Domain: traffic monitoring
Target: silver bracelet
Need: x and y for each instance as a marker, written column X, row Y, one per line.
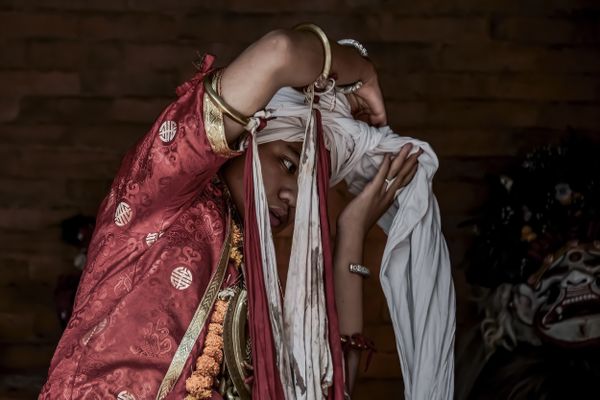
column 359, row 270
column 356, row 44
column 353, row 88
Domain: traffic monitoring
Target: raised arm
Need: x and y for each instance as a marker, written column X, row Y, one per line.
column 353, row 224
column 293, row 58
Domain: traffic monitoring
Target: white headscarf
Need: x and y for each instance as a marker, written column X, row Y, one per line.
column 415, row 271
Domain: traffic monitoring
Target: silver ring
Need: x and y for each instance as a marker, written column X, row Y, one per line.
column 388, row 183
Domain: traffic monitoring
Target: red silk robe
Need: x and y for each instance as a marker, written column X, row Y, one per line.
column 158, row 239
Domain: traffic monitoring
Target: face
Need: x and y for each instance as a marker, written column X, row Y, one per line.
column 280, row 162
column 563, row 305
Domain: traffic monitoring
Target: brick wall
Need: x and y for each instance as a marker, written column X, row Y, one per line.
column 481, row 80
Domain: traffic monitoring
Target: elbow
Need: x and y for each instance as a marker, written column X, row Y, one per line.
column 278, row 47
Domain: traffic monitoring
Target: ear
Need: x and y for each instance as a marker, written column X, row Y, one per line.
column 522, row 301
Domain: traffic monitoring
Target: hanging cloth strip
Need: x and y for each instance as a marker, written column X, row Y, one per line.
column 306, row 322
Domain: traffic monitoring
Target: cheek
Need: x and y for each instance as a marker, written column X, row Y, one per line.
column 271, row 174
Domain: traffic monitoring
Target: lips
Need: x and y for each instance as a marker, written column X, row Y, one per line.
column 277, row 216
column 573, row 307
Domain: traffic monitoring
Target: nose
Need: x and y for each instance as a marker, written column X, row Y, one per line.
column 288, row 192
column 576, row 278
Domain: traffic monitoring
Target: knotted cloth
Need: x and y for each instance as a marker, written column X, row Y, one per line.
column 415, row 271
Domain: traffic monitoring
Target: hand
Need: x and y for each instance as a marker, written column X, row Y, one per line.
column 367, row 103
column 377, row 196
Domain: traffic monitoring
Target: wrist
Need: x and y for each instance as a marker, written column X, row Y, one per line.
column 352, row 234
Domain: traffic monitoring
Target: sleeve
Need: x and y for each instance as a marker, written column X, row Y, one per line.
column 159, row 178
column 164, row 172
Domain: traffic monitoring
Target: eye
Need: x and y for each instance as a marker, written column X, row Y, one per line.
column 553, row 292
column 289, row 166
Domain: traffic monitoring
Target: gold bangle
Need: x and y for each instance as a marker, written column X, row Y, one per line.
column 226, row 108
column 326, row 47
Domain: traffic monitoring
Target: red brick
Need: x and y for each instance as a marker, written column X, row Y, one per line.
column 391, row 28
column 129, row 26
column 39, row 83
column 65, row 110
column 102, row 136
column 45, row 268
column 484, row 142
column 470, row 7
column 458, row 196
column 399, row 58
column 142, row 82
column 506, row 86
column 573, row 115
column 160, row 57
column 50, row 162
column 31, row 218
column 87, row 193
column 46, row 326
column 246, row 28
column 69, row 5
column 501, row 57
column 25, row 357
column 21, row 386
column 13, row 301
column 15, row 327
column 471, row 169
column 280, row 7
column 13, row 54
column 138, row 110
column 23, row 245
column 469, row 114
column 180, row 6
column 577, row 59
column 107, row 54
column 31, row 192
column 37, row 133
column 403, row 114
column 56, row 54
column 548, row 30
column 9, row 108
column 39, row 25
column 13, row 271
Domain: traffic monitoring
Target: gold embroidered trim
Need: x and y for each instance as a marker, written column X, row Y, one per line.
column 213, row 121
column 195, row 327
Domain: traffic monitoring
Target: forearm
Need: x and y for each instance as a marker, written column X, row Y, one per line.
column 279, row 59
column 348, row 292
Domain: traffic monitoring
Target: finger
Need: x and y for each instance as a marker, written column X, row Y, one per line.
column 410, row 176
column 400, row 183
column 378, row 114
column 399, row 160
column 384, row 168
column 371, row 93
column 410, row 162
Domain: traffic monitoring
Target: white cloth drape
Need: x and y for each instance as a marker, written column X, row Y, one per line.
column 415, row 271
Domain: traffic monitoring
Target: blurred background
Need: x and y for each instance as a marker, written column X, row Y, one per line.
column 482, row 80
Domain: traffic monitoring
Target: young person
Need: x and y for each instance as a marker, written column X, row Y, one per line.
column 160, row 311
